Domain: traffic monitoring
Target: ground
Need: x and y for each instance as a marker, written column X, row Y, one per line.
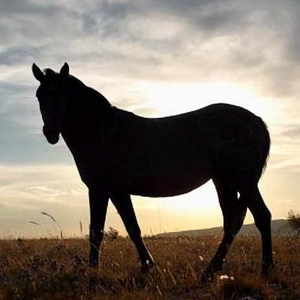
column 57, row 269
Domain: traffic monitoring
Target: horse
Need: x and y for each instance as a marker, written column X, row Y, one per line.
column 119, row 154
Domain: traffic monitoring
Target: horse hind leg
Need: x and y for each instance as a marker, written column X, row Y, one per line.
column 262, row 219
column 234, row 212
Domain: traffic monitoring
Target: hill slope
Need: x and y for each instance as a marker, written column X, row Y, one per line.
column 279, row 227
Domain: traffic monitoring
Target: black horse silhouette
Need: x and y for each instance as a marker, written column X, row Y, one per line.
column 119, row 154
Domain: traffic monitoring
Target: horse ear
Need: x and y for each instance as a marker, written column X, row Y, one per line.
column 37, row 73
column 64, row 71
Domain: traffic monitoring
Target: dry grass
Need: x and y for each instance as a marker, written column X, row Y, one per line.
column 57, row 269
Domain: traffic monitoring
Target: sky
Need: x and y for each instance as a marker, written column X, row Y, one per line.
column 154, row 58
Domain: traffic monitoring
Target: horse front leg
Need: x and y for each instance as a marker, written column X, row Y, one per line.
column 124, row 206
column 98, row 208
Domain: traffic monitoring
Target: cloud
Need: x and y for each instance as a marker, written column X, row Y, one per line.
column 117, row 45
column 123, row 49
column 237, row 40
column 19, row 54
column 26, row 190
column 32, row 186
column 293, row 132
column 19, row 145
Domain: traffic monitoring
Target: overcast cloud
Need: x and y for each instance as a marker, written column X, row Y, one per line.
column 120, row 47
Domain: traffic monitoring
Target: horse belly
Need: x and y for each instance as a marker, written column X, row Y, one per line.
column 167, row 187
column 167, row 183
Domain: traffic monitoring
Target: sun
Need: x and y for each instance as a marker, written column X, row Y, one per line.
column 174, row 98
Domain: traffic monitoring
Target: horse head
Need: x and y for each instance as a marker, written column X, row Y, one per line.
column 52, row 96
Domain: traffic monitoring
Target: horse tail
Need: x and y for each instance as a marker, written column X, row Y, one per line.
column 266, row 147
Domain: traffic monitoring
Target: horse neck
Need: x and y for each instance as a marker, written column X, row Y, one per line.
column 85, row 101
column 87, row 111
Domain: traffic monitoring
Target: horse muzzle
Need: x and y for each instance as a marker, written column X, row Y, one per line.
column 51, row 134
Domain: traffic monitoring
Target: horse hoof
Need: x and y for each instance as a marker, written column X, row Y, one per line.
column 94, row 264
column 147, row 267
column 207, row 275
column 266, row 270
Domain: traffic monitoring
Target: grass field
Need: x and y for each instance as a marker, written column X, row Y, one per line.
column 57, row 269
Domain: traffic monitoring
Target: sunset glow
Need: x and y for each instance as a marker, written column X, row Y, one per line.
column 174, row 98
column 155, row 59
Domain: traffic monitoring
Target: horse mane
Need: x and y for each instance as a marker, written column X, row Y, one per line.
column 98, row 100
column 49, row 73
